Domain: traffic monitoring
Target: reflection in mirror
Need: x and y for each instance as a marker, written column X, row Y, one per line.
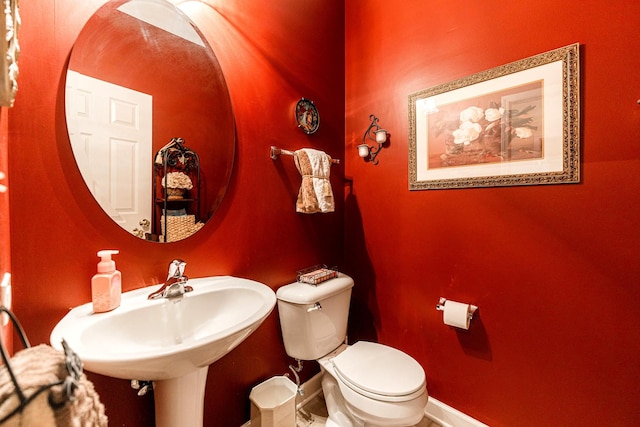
column 140, row 78
column 177, row 169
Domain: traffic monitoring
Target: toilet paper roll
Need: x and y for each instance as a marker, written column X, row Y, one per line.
column 456, row 314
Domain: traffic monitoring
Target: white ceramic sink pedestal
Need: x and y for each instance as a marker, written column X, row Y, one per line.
column 169, row 342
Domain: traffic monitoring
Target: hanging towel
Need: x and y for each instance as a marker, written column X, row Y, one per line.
column 315, row 193
column 38, row 366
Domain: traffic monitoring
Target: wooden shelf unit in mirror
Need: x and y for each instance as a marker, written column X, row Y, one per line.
column 176, row 187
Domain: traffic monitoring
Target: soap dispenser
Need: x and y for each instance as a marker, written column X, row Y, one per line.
column 106, row 285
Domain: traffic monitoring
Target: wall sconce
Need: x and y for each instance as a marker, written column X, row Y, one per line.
column 375, row 133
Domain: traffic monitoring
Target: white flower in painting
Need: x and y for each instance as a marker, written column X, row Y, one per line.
column 466, row 133
column 493, row 114
column 523, row 132
column 472, row 114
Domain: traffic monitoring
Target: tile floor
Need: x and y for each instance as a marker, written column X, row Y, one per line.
column 314, row 414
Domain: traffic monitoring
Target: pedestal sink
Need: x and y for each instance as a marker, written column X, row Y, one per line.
column 169, row 342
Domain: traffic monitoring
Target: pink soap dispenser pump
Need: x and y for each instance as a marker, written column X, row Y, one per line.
column 106, row 285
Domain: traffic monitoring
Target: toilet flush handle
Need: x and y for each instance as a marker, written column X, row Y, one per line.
column 315, row 307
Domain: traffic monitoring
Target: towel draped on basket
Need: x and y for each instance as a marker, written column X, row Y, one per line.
column 315, row 193
column 38, row 366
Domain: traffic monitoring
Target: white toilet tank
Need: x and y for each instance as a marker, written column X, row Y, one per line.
column 314, row 318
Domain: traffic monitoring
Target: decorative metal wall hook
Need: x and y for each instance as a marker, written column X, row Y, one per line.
column 375, row 133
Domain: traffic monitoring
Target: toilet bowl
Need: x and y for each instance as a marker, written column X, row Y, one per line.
column 365, row 384
column 378, row 385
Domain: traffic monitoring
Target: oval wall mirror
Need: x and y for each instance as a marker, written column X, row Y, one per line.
column 147, row 110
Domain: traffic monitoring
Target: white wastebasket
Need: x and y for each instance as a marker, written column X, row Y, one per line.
column 273, row 403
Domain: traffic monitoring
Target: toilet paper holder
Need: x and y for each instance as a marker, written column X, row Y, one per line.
column 472, row 308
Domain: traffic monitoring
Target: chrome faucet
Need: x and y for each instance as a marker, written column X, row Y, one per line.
column 176, row 284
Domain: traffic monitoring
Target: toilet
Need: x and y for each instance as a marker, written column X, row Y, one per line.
column 365, row 384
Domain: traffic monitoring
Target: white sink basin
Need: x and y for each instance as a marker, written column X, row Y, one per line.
column 161, row 339
column 166, row 339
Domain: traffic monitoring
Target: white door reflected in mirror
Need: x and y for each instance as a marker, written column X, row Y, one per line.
column 110, row 129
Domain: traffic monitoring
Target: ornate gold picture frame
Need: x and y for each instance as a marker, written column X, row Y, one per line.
column 517, row 124
column 10, row 50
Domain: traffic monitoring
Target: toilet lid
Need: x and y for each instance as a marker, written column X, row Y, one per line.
column 379, row 369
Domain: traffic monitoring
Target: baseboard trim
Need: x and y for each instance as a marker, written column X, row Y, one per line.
column 437, row 411
column 447, row 416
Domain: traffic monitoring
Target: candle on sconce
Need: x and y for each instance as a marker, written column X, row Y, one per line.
column 363, row 150
column 381, row 136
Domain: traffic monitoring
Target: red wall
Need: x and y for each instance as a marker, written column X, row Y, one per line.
column 554, row 269
column 272, row 56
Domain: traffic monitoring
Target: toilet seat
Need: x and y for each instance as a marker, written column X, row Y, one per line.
column 380, row 372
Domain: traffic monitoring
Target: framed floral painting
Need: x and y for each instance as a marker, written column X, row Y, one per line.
column 10, row 50
column 517, row 124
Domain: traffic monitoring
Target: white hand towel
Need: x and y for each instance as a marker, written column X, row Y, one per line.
column 315, row 193
column 39, row 366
